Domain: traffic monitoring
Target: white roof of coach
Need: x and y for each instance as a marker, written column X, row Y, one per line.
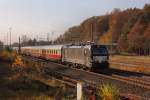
column 52, row 47
column 44, row 47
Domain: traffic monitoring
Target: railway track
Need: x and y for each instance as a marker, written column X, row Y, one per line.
column 132, row 77
column 118, row 76
column 119, row 81
column 133, row 81
column 126, row 85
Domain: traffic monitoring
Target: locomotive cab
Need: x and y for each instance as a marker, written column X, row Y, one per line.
column 99, row 56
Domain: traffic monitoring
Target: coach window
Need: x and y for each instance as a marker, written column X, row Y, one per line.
column 56, row 51
column 59, row 51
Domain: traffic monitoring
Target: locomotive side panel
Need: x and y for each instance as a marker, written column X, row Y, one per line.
column 73, row 55
column 78, row 55
column 87, row 57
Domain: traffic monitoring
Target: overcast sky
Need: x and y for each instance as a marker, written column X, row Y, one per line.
column 38, row 17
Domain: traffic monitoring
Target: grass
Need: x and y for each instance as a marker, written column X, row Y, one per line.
column 14, row 85
column 22, row 87
column 108, row 92
column 8, row 54
column 141, row 63
column 131, row 59
column 19, row 87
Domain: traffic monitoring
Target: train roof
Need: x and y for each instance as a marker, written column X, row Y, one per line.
column 83, row 46
column 78, row 46
column 52, row 47
column 44, row 47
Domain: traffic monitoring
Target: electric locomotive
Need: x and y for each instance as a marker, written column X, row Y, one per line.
column 87, row 57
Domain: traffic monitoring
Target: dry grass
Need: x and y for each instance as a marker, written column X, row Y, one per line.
column 14, row 86
column 140, row 69
column 18, row 61
column 132, row 63
column 108, row 92
column 42, row 97
column 131, row 59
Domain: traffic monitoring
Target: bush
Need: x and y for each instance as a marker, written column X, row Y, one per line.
column 8, row 49
column 8, row 54
column 108, row 92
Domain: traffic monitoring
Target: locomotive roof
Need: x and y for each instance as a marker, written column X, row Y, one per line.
column 79, row 46
column 83, row 46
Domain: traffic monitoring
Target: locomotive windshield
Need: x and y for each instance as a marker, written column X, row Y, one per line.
column 100, row 51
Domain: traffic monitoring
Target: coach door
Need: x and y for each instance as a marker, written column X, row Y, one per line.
column 43, row 53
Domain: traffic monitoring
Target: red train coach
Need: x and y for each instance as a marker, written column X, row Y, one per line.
column 50, row 52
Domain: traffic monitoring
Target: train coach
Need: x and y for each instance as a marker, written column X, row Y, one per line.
column 51, row 52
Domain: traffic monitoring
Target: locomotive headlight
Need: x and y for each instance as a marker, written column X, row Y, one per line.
column 100, row 59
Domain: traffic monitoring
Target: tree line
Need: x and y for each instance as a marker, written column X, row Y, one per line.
column 129, row 28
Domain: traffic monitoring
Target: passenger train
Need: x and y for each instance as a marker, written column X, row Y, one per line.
column 87, row 57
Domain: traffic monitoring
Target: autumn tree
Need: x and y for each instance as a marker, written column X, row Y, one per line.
column 136, row 37
column 122, row 43
column 147, row 39
column 146, row 11
column 129, row 28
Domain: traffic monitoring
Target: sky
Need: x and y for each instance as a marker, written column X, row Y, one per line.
column 36, row 18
